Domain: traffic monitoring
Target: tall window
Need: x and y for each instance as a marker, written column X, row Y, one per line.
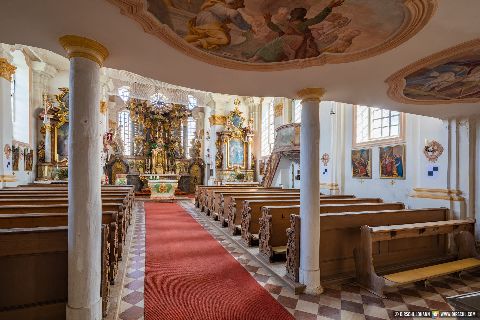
column 192, row 102
column 375, row 125
column 20, row 98
column 268, row 129
column 125, row 124
column 297, row 111
column 191, row 130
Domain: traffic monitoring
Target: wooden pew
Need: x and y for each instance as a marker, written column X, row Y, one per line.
column 209, row 201
column 34, row 273
column 12, row 195
column 466, row 256
column 228, row 201
column 63, row 208
column 203, row 193
column 34, row 220
column 218, row 196
column 201, row 189
column 275, row 221
column 340, row 234
column 252, row 212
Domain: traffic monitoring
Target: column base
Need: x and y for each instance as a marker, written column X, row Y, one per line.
column 311, row 280
column 93, row 312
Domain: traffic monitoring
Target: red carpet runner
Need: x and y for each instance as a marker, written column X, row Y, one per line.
column 189, row 275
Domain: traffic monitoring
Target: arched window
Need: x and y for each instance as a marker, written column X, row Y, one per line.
column 125, row 126
column 268, row 129
column 20, row 97
column 377, row 126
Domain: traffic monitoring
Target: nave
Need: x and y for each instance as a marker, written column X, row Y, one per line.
column 339, row 301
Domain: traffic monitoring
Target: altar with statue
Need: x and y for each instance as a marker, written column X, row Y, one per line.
column 234, row 160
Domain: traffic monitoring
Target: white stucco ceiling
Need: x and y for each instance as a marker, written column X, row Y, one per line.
column 41, row 23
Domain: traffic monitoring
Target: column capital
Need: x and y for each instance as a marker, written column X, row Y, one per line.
column 77, row 46
column 313, row 94
column 6, row 69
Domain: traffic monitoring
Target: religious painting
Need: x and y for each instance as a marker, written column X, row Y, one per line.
column 62, row 142
column 236, row 153
column 15, row 157
column 28, row 157
column 362, row 163
column 274, row 32
column 449, row 76
column 392, row 162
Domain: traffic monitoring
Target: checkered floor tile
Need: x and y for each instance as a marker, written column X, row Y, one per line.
column 342, row 301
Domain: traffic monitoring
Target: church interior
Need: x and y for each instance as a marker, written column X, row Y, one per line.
column 239, row 159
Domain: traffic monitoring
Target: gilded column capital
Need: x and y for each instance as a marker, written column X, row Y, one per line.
column 77, row 46
column 311, row 94
column 217, row 120
column 6, row 69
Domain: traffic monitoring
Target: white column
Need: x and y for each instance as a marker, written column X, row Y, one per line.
column 48, row 139
column 249, row 152
column 6, row 125
column 310, row 190
column 84, row 191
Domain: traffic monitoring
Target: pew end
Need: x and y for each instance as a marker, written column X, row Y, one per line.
column 466, row 257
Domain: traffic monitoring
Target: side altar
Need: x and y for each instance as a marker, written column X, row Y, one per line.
column 233, row 160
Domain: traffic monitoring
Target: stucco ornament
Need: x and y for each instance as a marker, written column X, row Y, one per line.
column 325, row 159
column 433, row 150
column 7, row 150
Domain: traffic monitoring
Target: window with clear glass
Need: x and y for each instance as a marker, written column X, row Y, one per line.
column 20, row 98
column 377, row 125
column 191, row 133
column 268, row 130
column 297, row 111
column 125, row 126
column 192, row 102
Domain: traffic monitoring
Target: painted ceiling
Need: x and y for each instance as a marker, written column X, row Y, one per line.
column 449, row 76
column 279, row 34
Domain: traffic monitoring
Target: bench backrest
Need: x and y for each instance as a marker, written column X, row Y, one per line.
column 255, row 205
column 53, row 208
column 281, row 215
column 346, row 229
column 35, row 220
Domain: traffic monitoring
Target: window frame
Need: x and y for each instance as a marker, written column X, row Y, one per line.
column 121, row 121
column 378, row 141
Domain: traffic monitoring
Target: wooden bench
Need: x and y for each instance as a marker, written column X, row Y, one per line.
column 275, row 221
column 219, row 197
column 215, row 198
column 227, row 201
column 200, row 191
column 34, row 273
column 205, row 196
column 466, row 257
column 34, row 220
column 340, row 235
column 252, row 212
column 63, row 208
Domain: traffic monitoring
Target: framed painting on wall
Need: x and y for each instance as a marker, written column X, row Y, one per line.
column 392, row 162
column 362, row 163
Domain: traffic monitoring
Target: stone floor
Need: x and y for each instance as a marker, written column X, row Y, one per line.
column 346, row 301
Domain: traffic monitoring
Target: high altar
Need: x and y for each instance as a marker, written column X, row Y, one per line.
column 234, row 149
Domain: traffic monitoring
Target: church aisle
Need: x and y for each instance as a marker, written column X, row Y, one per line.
column 189, row 275
column 337, row 302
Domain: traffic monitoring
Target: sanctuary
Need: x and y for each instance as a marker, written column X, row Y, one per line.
column 238, row 159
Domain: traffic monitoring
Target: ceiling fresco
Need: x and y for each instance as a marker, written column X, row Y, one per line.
column 450, row 76
column 279, row 34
